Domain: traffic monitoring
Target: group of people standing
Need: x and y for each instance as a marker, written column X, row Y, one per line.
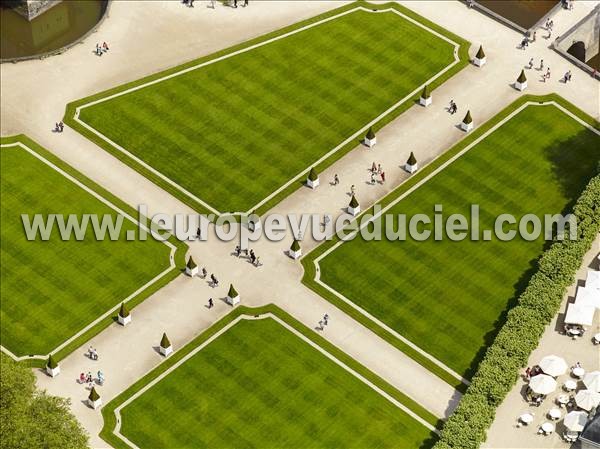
column 101, row 49
column 377, row 170
column 254, row 259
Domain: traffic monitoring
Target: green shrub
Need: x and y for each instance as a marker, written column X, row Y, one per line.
column 312, row 175
column 232, row 292
column 123, row 311
column 370, row 134
column 525, row 323
column 353, row 202
column 51, row 362
column 164, row 341
column 295, row 246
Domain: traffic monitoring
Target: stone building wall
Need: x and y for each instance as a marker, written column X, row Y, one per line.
column 30, row 9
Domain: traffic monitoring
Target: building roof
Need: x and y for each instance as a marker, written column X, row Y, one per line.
column 591, row 433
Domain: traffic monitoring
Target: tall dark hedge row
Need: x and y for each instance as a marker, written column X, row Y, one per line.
column 524, row 326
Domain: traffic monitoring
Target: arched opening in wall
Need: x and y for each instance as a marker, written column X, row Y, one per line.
column 577, row 50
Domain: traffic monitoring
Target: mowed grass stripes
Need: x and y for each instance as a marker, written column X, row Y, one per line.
column 449, row 297
column 234, row 131
column 52, row 289
column 260, row 386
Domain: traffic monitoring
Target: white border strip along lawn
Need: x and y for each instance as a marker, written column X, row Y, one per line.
column 317, row 277
column 120, row 212
column 243, row 50
column 117, row 411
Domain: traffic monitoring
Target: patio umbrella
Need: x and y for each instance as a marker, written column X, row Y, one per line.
column 542, row 384
column 553, row 365
column 587, row 399
column 592, row 381
column 575, row 421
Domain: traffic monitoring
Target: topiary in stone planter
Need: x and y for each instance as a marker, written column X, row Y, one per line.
column 312, row 180
column 370, row 139
column 233, row 297
column 191, row 269
column 353, row 208
column 124, row 317
column 166, row 347
column 52, row 368
column 480, row 58
column 295, row 251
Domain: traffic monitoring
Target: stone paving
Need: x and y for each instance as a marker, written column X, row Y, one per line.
column 178, row 309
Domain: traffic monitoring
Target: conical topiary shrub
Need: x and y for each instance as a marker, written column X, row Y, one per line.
column 312, row 179
column 480, row 58
column 94, row 400
column 191, row 268
column 123, row 311
column 52, row 368
column 94, row 396
column 425, row 99
column 124, row 317
column 480, row 53
column 521, row 83
column 51, row 362
column 165, row 345
column 164, row 341
column 370, row 138
column 411, row 164
column 233, row 297
column 295, row 251
column 353, row 207
column 295, row 245
column 467, row 123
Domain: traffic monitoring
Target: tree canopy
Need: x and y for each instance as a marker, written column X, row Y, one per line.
column 32, row 418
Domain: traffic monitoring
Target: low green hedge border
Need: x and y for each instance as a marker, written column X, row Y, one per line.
column 463, row 55
column 101, row 325
column 108, row 411
column 524, row 326
column 308, row 261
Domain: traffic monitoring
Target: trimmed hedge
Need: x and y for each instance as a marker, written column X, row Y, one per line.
column 524, row 326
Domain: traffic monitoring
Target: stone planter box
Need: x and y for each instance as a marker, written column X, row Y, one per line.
column 295, row 254
column 124, row 320
column 233, row 301
column 166, row 351
column 425, row 101
column 370, row 142
column 95, row 404
column 521, row 86
column 354, row 211
column 53, row 372
column 312, row 184
column 466, row 126
column 192, row 271
column 480, row 62
column 411, row 168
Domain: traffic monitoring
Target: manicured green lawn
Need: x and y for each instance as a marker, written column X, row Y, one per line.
column 259, row 385
column 234, row 131
column 52, row 289
column 449, row 297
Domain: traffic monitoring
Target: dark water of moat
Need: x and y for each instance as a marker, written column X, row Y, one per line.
column 525, row 13
column 61, row 25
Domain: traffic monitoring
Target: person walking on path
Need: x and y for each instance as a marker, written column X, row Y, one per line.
column 531, row 63
column 373, row 167
column 352, row 190
column 245, row 3
column 204, row 272
column 541, row 64
column 336, row 179
column 373, row 178
column 382, row 177
column 238, row 250
column 210, row 303
column 325, row 319
column 257, row 261
column 235, row 3
column 379, row 170
column 548, row 73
